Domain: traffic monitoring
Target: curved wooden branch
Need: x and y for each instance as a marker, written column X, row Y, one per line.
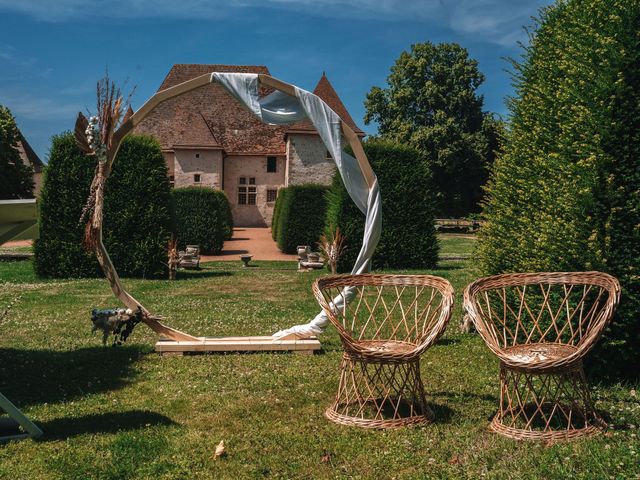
column 104, row 169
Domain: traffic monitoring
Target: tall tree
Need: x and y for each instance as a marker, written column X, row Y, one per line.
column 431, row 103
column 16, row 178
column 564, row 194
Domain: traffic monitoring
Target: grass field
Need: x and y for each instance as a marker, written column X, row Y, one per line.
column 125, row 412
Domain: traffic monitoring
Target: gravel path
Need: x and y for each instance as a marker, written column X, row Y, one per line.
column 251, row 241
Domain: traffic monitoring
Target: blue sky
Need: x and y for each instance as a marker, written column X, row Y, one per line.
column 52, row 52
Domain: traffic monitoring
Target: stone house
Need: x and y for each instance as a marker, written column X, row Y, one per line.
column 209, row 139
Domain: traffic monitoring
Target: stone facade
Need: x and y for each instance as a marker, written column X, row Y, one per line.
column 208, row 139
column 308, row 160
column 197, row 167
column 252, row 167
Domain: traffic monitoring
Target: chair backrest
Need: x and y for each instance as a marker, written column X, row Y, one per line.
column 193, row 250
column 568, row 308
column 408, row 308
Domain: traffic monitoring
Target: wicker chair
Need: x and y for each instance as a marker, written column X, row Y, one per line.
column 541, row 325
column 385, row 322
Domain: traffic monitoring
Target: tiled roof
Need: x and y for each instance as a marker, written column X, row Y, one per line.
column 326, row 92
column 28, row 155
column 210, row 117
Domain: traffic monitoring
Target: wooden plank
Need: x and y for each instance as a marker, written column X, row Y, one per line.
column 238, row 344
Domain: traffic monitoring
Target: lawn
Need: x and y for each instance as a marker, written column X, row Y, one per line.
column 125, row 412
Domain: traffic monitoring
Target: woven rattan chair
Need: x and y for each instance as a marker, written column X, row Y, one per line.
column 385, row 323
column 541, row 325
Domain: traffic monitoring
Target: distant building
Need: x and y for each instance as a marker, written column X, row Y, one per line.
column 31, row 159
column 209, row 139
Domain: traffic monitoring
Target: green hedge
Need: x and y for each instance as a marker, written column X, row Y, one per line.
column 565, row 194
column 408, row 237
column 137, row 217
column 280, row 200
column 299, row 215
column 59, row 252
column 137, row 213
column 201, row 218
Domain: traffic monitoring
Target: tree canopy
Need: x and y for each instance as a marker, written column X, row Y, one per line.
column 431, row 104
column 16, row 180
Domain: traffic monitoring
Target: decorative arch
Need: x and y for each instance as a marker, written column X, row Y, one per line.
column 286, row 104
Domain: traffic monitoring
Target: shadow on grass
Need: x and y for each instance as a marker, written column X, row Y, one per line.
column 31, row 377
column 113, row 422
column 441, row 413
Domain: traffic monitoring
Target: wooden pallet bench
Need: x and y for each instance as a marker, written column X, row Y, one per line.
column 304, row 346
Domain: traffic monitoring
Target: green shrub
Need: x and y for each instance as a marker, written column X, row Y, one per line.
column 301, row 213
column 201, row 218
column 137, row 216
column 565, row 194
column 408, row 237
column 59, row 252
column 137, row 213
column 280, row 199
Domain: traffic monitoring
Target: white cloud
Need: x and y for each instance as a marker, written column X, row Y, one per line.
column 497, row 21
column 33, row 107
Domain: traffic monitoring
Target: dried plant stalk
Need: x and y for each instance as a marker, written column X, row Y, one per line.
column 332, row 247
column 172, row 253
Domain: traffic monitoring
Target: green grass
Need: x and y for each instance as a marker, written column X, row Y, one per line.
column 118, row 413
column 456, row 243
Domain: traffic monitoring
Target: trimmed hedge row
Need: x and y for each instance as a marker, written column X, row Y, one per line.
column 201, row 217
column 565, row 195
column 59, row 253
column 299, row 216
column 137, row 212
column 408, row 237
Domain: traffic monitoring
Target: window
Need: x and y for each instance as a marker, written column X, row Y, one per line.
column 196, row 178
column 272, row 194
column 172, row 180
column 272, row 164
column 197, row 155
column 329, row 155
column 247, row 194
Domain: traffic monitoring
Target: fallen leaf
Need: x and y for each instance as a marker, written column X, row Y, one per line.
column 326, row 457
column 220, row 450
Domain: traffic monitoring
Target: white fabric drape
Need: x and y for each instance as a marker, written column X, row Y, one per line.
column 279, row 108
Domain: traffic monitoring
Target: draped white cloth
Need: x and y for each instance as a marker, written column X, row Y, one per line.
column 279, row 108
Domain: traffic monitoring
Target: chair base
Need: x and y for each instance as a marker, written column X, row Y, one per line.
column 379, row 395
column 550, row 406
column 331, row 414
column 548, row 436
